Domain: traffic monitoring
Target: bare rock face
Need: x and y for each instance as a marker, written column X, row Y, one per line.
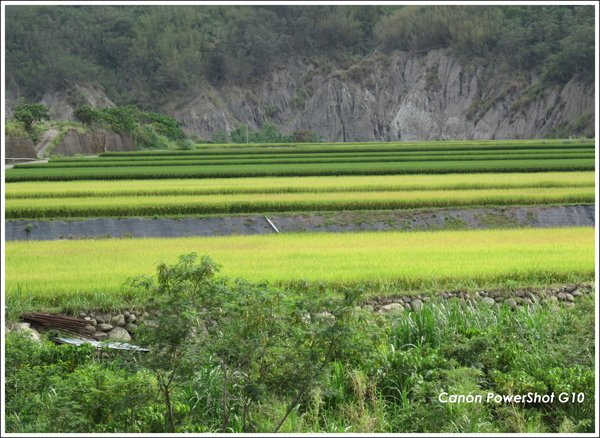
column 395, row 96
column 62, row 103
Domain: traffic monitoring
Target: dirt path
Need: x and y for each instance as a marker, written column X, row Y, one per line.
column 10, row 166
column 47, row 138
column 388, row 220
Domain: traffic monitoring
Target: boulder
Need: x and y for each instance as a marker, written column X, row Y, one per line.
column 89, row 329
column 416, row 305
column 512, row 303
column 488, row 301
column 104, row 327
column 26, row 329
column 119, row 334
column 100, row 336
column 118, row 320
column 391, row 309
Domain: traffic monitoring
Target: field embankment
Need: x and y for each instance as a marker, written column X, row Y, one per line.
column 334, row 221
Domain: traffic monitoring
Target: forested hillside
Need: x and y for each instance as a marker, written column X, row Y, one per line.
column 161, row 58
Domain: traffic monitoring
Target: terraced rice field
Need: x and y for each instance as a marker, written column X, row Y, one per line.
column 324, row 184
column 403, row 261
column 223, row 180
column 315, row 160
column 299, row 202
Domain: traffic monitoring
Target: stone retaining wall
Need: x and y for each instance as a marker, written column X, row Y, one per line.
column 93, row 143
column 120, row 326
column 18, row 147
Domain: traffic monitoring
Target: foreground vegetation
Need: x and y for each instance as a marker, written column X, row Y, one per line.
column 273, row 361
column 390, row 260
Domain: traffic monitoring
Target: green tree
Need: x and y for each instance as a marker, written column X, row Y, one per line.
column 241, row 134
column 121, row 119
column 576, row 56
column 219, row 137
column 163, row 124
column 259, row 340
column 85, row 114
column 269, row 134
column 30, row 113
column 304, row 136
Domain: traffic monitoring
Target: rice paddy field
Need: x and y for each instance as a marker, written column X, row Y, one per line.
column 222, row 180
column 317, row 160
column 407, row 310
column 403, row 261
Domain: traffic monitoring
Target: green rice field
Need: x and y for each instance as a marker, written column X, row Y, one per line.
column 280, row 202
column 294, row 169
column 404, row 261
column 319, row 184
column 320, row 160
column 419, row 147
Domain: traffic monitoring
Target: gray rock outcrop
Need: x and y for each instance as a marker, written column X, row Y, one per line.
column 396, row 97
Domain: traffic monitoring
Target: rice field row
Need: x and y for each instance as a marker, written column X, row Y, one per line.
column 402, row 261
column 444, row 146
column 282, row 202
column 314, row 169
column 318, row 184
column 302, row 160
column 242, row 155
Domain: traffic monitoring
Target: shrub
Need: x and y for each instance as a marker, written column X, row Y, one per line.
column 85, row 114
column 146, row 137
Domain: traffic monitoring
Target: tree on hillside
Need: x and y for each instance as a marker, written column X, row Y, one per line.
column 30, row 113
column 85, row 114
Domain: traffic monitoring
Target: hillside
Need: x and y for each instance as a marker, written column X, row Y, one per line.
column 347, row 73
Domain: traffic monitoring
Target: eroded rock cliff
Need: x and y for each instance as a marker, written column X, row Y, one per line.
column 387, row 97
column 394, row 97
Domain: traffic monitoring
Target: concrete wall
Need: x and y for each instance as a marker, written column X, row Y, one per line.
column 93, row 143
column 17, row 147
